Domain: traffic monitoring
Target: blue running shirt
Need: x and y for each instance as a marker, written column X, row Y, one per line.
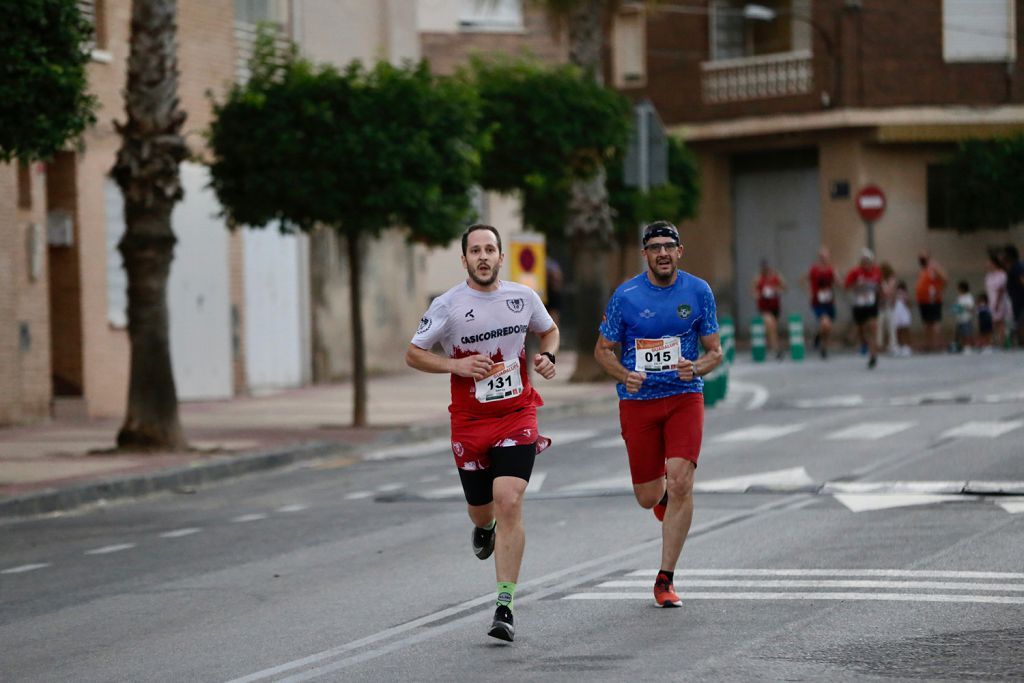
column 641, row 310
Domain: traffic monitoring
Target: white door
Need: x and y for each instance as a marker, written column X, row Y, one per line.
column 198, row 293
column 276, row 269
column 777, row 214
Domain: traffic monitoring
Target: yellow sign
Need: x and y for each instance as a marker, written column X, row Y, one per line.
column 527, row 263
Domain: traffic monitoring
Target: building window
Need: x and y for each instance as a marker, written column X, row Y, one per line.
column 629, row 48
column 249, row 14
column 950, row 209
column 978, row 31
column 491, row 14
column 741, row 29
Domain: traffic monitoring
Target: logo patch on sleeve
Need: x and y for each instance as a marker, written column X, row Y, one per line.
column 424, row 325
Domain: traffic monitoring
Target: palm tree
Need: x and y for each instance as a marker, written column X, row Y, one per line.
column 147, row 171
column 589, row 225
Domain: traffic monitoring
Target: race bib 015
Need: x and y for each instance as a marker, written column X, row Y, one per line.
column 657, row 355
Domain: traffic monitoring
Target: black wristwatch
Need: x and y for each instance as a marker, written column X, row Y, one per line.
column 551, row 356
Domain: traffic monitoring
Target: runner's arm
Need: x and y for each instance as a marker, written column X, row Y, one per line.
column 604, row 354
column 712, row 357
column 476, row 366
column 548, row 344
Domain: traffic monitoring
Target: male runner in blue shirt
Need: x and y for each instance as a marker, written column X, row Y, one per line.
column 657, row 318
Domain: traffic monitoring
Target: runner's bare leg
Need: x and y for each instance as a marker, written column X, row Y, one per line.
column 679, row 512
column 508, row 508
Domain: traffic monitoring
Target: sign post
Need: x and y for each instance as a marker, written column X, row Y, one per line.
column 870, row 205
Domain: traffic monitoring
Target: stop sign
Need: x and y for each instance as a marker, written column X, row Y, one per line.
column 871, row 203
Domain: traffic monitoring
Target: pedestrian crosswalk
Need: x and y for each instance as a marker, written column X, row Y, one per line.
column 814, row 584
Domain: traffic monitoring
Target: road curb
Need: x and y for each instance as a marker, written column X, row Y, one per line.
column 67, row 498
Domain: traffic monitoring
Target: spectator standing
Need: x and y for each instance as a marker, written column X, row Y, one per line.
column 930, row 283
column 998, row 301
column 985, row 323
column 767, row 288
column 887, row 302
column 1015, row 288
column 963, row 311
column 821, row 279
column 863, row 282
column 901, row 318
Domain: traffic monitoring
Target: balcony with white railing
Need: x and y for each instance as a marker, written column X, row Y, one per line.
column 755, row 78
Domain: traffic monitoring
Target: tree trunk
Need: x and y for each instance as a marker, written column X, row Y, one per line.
column 147, row 172
column 358, row 338
column 589, row 224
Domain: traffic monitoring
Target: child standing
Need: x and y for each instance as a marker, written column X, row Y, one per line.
column 985, row 323
column 901, row 318
column 964, row 312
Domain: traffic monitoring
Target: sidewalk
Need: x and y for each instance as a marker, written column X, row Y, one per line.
column 64, row 464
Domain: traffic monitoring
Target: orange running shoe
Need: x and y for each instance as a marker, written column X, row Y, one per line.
column 665, row 593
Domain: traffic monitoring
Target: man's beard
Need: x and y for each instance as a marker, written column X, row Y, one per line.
column 658, row 277
column 483, row 283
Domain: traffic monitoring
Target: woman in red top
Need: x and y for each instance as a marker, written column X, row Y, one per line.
column 767, row 288
column 930, row 283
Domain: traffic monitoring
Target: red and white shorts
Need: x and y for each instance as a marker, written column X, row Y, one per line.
column 661, row 428
column 473, row 438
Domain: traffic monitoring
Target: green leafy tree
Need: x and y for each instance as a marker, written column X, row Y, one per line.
column 146, row 170
column 676, row 200
column 986, row 184
column 550, row 126
column 358, row 150
column 43, row 98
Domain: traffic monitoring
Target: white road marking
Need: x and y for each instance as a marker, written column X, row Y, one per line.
column 536, row 482
column 893, row 597
column 253, row 517
column 611, row 442
column 413, row 450
column 851, row 401
column 446, row 492
column 911, row 487
column 987, row 429
column 359, row 495
column 824, row 583
column 178, row 533
column 1013, row 507
column 387, row 488
column 759, row 393
column 429, row 478
column 911, row 573
column 620, row 482
column 870, row 431
column 862, row 502
column 294, row 507
column 794, row 477
column 569, row 436
column 759, row 433
column 22, row 568
column 107, row 549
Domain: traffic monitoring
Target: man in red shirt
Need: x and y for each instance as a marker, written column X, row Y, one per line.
column 863, row 282
column 821, row 279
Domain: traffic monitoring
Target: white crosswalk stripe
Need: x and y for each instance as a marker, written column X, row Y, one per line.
column 886, row 585
column 759, row 433
column 869, row 431
column 985, row 429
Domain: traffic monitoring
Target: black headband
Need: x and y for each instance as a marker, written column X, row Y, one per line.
column 660, row 230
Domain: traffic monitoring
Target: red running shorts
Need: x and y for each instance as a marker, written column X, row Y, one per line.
column 473, row 438
column 661, row 428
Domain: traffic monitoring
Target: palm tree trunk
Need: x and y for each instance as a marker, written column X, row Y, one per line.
column 358, row 336
column 589, row 224
column 147, row 172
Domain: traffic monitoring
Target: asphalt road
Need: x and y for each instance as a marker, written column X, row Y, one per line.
column 850, row 525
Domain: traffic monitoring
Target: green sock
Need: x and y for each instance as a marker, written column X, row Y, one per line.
column 490, row 526
column 506, row 593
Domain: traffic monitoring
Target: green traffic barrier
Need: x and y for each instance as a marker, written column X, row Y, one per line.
column 758, row 348
column 796, row 337
column 727, row 335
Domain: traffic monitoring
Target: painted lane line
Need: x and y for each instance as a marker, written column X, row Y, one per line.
column 436, row 624
column 178, row 533
column 981, row 428
column 414, row 450
column 759, row 394
column 107, row 549
column 910, row 573
column 758, row 433
column 787, row 479
column 253, row 517
column 881, row 597
column 560, row 438
column 387, row 488
column 22, row 568
column 620, row 482
column 866, row 502
column 294, row 507
column 870, row 431
column 359, row 495
column 851, row 401
column 824, row 583
column 536, row 482
column 444, row 492
column 429, row 478
column 1013, row 507
column 610, row 442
